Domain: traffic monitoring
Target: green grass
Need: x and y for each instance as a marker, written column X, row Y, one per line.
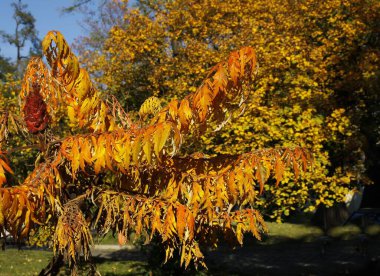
column 373, row 230
column 107, row 239
column 30, row 262
column 279, row 232
column 23, row 262
column 292, row 231
column 110, row 267
column 110, row 239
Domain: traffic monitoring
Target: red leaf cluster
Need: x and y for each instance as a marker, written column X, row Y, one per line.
column 35, row 113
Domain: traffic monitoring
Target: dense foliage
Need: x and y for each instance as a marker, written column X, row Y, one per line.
column 111, row 173
column 317, row 85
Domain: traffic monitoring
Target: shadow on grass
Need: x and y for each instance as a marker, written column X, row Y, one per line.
column 291, row 249
column 288, row 249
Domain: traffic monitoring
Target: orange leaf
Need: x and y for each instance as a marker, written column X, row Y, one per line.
column 190, row 225
column 220, row 79
column 279, row 168
column 121, row 238
column 234, row 67
column 185, row 114
column 181, row 220
column 205, row 100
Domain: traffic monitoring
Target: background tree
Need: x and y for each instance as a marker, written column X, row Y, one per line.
column 318, row 70
column 113, row 174
column 6, row 66
column 99, row 17
column 25, row 32
column 11, row 71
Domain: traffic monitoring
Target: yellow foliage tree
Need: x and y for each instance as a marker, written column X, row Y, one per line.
column 316, row 64
column 11, row 133
column 113, row 174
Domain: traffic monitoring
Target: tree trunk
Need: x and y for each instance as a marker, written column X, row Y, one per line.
column 53, row 267
column 327, row 218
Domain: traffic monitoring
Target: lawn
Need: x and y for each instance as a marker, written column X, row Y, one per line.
column 30, row 262
column 23, row 262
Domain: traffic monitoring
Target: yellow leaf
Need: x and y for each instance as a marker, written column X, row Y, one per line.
column 147, row 148
column 173, row 109
column 136, row 147
column 86, row 105
column 126, row 151
column 239, row 232
column 75, row 157
column 157, row 135
column 5, row 166
column 99, row 157
column 185, row 114
column 72, row 115
column 82, row 85
column 160, row 136
column 2, row 176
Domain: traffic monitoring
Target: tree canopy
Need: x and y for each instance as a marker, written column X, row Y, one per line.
column 316, row 85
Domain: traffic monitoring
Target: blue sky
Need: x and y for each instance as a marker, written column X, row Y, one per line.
column 48, row 17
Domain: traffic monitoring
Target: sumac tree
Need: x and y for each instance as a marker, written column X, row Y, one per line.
column 110, row 173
